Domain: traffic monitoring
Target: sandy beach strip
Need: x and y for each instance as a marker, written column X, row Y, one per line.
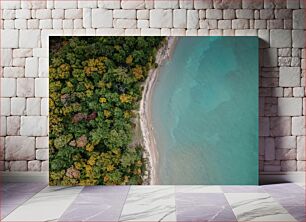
column 163, row 54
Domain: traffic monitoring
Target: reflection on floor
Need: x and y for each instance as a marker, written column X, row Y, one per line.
column 39, row 202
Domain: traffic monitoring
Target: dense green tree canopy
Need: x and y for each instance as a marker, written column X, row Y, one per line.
column 95, row 87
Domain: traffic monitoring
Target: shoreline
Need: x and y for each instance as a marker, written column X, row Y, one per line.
column 163, row 54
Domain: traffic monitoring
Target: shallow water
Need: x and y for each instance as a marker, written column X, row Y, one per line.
column 205, row 112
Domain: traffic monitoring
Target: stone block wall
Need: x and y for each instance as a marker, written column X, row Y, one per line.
column 26, row 25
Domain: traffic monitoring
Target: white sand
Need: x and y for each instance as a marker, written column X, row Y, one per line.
column 145, row 108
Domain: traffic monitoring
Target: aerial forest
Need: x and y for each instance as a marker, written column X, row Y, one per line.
column 95, row 86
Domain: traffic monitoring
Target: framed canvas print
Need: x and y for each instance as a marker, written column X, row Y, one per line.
column 153, row 110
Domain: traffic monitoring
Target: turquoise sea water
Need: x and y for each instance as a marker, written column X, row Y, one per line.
column 205, row 112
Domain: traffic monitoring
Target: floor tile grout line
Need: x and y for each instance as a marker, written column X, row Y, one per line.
column 124, row 202
column 228, row 203
column 70, row 203
column 19, row 205
column 283, row 206
column 158, row 188
column 274, row 201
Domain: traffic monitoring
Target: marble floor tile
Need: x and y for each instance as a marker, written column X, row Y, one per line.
column 282, row 202
column 95, row 208
column 149, row 203
column 257, row 207
column 283, row 188
column 207, row 213
column 301, row 185
column 298, row 212
column 106, row 189
column 242, row 189
column 47, row 205
column 22, row 187
column 99, row 203
column 203, row 207
column 86, row 212
column 197, row 189
column 289, row 199
column 205, row 199
column 58, row 190
column 15, row 198
column 14, row 194
column 96, row 198
column 17, row 193
column 6, row 210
